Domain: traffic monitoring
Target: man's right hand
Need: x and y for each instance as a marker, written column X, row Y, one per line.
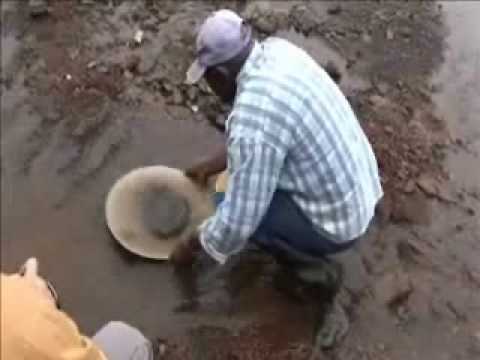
column 202, row 171
column 199, row 173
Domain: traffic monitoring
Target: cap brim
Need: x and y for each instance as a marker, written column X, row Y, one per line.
column 195, row 72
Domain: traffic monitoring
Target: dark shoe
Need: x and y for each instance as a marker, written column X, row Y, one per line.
column 322, row 279
column 333, row 328
column 316, row 283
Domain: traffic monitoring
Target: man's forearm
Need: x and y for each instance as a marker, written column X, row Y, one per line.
column 218, row 161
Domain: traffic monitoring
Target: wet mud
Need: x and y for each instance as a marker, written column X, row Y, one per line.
column 82, row 104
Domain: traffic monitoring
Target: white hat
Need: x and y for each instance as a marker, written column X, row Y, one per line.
column 222, row 36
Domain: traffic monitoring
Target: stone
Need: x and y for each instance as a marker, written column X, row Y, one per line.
column 165, row 213
column 334, row 71
column 304, row 19
column 132, row 61
column 382, row 88
column 38, row 8
column 429, row 186
column 266, row 24
column 177, row 97
column 378, row 101
column 405, row 32
column 148, row 61
column 390, row 34
column 334, row 10
column 394, row 288
column 414, row 209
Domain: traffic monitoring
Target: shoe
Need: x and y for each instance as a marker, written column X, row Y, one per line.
column 314, row 283
column 333, row 328
column 322, row 279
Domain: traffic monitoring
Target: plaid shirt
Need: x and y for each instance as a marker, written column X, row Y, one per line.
column 291, row 128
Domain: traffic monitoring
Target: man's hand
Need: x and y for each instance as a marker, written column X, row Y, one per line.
column 184, row 253
column 199, row 173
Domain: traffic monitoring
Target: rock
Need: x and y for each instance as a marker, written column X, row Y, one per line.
column 394, row 288
column 414, row 209
column 192, row 93
column 266, row 24
column 38, row 8
column 366, row 38
column 177, row 97
column 333, row 70
column 409, row 187
column 148, row 61
column 390, row 35
column 378, row 101
column 138, row 37
column 304, row 19
column 132, row 61
column 429, row 186
column 261, row 18
column 382, row 88
column 405, row 32
column 335, row 10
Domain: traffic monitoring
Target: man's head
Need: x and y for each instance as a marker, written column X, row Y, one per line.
column 223, row 45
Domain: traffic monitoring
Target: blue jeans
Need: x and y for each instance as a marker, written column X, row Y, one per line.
column 289, row 235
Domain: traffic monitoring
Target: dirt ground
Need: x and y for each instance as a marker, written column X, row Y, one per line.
column 82, row 104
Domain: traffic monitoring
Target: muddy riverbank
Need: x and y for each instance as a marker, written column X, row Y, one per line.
column 82, row 104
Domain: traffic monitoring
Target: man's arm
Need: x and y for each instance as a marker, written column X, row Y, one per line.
column 255, row 168
column 202, row 171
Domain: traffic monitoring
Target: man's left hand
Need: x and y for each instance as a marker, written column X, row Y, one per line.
column 184, row 253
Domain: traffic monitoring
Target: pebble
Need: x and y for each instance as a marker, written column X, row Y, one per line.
column 138, row 37
column 390, row 34
column 38, row 8
column 335, row 10
column 394, row 288
column 366, row 38
column 377, row 101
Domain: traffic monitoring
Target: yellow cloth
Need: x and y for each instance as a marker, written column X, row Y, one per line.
column 33, row 329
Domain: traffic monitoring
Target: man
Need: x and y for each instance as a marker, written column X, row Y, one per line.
column 32, row 326
column 303, row 179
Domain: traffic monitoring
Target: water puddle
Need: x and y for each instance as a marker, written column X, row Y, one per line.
column 458, row 84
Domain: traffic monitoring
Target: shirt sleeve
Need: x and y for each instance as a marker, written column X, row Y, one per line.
column 254, row 168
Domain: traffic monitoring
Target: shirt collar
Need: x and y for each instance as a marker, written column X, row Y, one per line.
column 252, row 58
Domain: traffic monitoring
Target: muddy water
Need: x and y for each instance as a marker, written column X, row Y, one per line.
column 458, row 90
column 97, row 281
column 58, row 216
column 459, row 83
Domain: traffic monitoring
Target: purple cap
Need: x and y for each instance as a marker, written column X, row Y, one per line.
column 222, row 36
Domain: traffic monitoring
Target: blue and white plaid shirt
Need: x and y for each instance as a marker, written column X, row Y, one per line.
column 291, row 128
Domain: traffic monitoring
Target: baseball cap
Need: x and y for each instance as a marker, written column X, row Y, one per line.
column 222, row 36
